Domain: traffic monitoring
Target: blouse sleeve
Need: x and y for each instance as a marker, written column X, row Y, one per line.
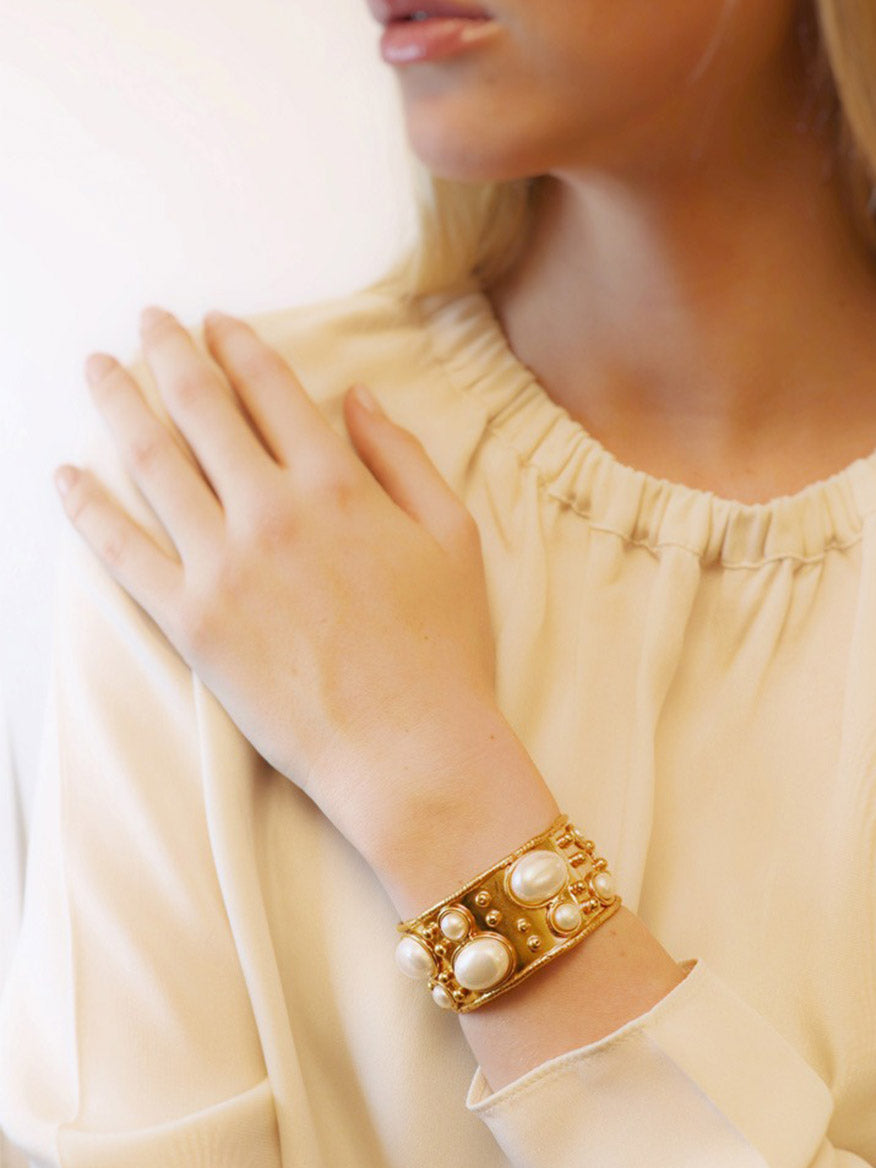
column 127, row 1036
column 701, row 1079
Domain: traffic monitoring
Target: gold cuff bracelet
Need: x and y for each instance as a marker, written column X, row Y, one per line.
column 540, row 901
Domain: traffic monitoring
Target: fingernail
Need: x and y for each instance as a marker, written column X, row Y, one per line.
column 366, row 399
column 151, row 316
column 65, row 477
column 98, row 365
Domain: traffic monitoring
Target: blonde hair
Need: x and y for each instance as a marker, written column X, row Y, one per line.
column 848, row 36
column 466, row 230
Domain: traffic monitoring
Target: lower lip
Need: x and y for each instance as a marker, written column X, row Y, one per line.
column 406, row 42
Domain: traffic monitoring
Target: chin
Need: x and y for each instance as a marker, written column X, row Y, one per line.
column 455, row 153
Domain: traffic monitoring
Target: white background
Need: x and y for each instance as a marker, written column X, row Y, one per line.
column 193, row 153
column 189, row 153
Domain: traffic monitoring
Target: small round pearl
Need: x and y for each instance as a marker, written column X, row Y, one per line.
column 603, row 885
column 454, row 925
column 441, row 997
column 537, row 876
column 482, row 963
column 414, row 959
column 566, row 916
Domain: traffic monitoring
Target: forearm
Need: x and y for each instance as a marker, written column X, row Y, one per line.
column 616, row 974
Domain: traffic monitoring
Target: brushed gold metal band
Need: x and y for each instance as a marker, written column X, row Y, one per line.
column 537, row 903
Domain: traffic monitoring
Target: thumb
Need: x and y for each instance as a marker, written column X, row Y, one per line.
column 399, row 462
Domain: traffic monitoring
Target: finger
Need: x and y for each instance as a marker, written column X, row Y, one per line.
column 168, row 477
column 125, row 550
column 399, row 462
column 206, row 413
column 285, row 415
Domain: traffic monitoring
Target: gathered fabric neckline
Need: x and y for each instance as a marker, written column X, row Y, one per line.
column 575, row 468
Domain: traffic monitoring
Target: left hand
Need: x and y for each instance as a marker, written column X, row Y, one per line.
column 334, row 604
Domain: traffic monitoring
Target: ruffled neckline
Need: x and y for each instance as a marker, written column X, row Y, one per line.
column 575, row 469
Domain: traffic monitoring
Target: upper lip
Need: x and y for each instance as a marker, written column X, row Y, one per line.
column 388, row 10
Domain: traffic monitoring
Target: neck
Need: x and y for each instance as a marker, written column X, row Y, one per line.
column 691, row 319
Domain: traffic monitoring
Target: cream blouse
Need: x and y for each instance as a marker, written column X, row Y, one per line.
column 205, row 976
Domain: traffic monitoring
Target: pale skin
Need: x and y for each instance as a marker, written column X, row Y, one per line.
column 653, row 346
column 693, row 292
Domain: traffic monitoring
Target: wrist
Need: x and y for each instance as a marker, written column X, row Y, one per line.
column 478, row 802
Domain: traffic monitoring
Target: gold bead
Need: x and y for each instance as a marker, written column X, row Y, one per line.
column 578, row 860
column 459, row 995
column 493, row 917
column 440, row 950
column 578, row 887
column 534, row 942
column 444, row 978
column 483, row 898
column 523, row 925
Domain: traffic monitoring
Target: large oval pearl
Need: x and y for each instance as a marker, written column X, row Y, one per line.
column 414, row 959
column 603, row 885
column 454, row 924
column 482, row 963
column 537, row 876
column 566, row 916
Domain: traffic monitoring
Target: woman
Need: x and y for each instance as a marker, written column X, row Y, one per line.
column 607, row 550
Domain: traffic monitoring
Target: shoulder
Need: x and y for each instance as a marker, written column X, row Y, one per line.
column 356, row 313
column 328, row 343
column 369, row 335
